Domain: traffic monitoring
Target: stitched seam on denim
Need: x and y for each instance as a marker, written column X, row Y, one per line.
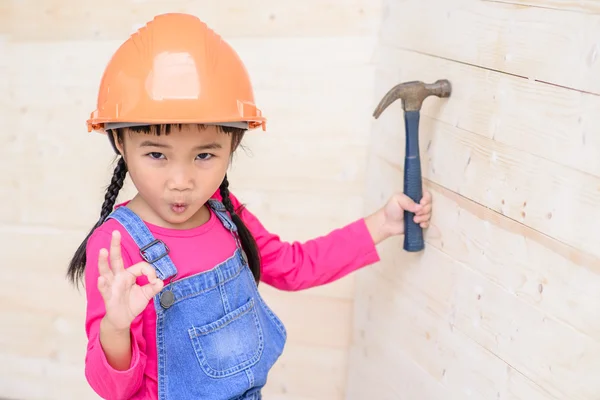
column 161, row 357
column 250, row 376
column 201, row 357
column 210, row 271
column 177, row 300
column 246, row 308
column 268, row 311
column 225, row 220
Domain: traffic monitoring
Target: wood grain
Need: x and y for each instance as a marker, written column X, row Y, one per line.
column 81, row 20
column 555, row 200
column 584, row 6
column 541, row 44
column 545, row 120
column 424, row 328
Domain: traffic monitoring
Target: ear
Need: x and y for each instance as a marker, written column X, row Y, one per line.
column 114, row 141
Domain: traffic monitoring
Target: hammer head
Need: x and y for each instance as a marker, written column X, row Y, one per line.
column 413, row 94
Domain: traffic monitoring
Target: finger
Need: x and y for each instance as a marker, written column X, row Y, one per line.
column 426, row 199
column 116, row 259
column 103, row 286
column 421, row 218
column 425, row 209
column 143, row 268
column 103, row 268
column 151, row 289
column 424, row 224
column 406, row 203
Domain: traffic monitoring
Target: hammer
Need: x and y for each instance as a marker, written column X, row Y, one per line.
column 413, row 94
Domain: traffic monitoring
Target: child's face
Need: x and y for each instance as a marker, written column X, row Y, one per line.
column 176, row 174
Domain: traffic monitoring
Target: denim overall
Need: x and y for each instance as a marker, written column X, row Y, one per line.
column 216, row 338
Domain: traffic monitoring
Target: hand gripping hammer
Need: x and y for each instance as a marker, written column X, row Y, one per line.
column 413, row 94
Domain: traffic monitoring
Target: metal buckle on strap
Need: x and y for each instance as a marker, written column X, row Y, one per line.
column 146, row 247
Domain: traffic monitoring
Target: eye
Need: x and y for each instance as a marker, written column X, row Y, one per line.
column 155, row 155
column 204, row 156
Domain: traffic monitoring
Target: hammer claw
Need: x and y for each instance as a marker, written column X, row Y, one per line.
column 392, row 95
column 413, row 94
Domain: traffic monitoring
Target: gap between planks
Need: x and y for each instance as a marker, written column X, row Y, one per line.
column 564, row 8
column 424, row 53
column 485, row 213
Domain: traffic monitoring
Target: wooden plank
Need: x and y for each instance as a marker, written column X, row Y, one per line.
column 555, row 123
column 531, row 190
column 410, row 313
column 522, row 336
column 584, row 6
column 326, row 325
column 83, row 20
column 542, row 271
column 302, row 166
column 389, row 375
column 35, row 378
column 5, row 60
column 484, row 296
column 307, row 372
column 560, row 48
column 80, row 63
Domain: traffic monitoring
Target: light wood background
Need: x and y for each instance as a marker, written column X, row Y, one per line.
column 504, row 303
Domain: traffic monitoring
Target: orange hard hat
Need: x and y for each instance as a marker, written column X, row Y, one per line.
column 175, row 69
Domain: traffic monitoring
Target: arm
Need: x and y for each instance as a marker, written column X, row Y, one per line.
column 297, row 266
column 115, row 360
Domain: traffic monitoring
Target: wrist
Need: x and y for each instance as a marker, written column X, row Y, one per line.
column 376, row 225
column 108, row 328
column 116, row 345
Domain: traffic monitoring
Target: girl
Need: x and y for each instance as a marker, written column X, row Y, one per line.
column 173, row 310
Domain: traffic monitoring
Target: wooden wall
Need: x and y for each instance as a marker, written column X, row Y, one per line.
column 504, row 303
column 312, row 66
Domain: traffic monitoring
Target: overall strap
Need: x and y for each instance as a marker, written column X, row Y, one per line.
column 153, row 251
column 221, row 212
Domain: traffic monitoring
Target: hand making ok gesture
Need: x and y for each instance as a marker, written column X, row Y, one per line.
column 123, row 298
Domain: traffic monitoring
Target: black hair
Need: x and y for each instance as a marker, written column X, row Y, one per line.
column 77, row 265
column 246, row 239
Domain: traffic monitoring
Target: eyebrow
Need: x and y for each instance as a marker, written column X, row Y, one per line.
column 208, row 146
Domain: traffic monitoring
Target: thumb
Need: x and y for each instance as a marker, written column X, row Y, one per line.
column 406, row 203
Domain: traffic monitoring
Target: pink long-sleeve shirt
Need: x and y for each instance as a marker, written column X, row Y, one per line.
column 286, row 266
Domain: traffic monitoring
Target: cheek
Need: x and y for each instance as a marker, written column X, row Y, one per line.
column 144, row 178
column 213, row 176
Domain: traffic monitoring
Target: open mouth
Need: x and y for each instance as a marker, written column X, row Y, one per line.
column 178, row 208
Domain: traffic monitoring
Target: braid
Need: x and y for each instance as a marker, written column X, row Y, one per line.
column 77, row 264
column 247, row 240
column 112, row 192
column 224, row 189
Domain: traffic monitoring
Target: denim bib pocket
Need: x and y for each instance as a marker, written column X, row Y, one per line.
column 230, row 344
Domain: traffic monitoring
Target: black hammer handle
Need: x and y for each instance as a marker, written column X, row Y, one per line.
column 413, row 233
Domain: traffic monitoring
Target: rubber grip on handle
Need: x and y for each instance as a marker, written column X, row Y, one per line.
column 413, row 187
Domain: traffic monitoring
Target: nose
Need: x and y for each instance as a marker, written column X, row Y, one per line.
column 181, row 177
